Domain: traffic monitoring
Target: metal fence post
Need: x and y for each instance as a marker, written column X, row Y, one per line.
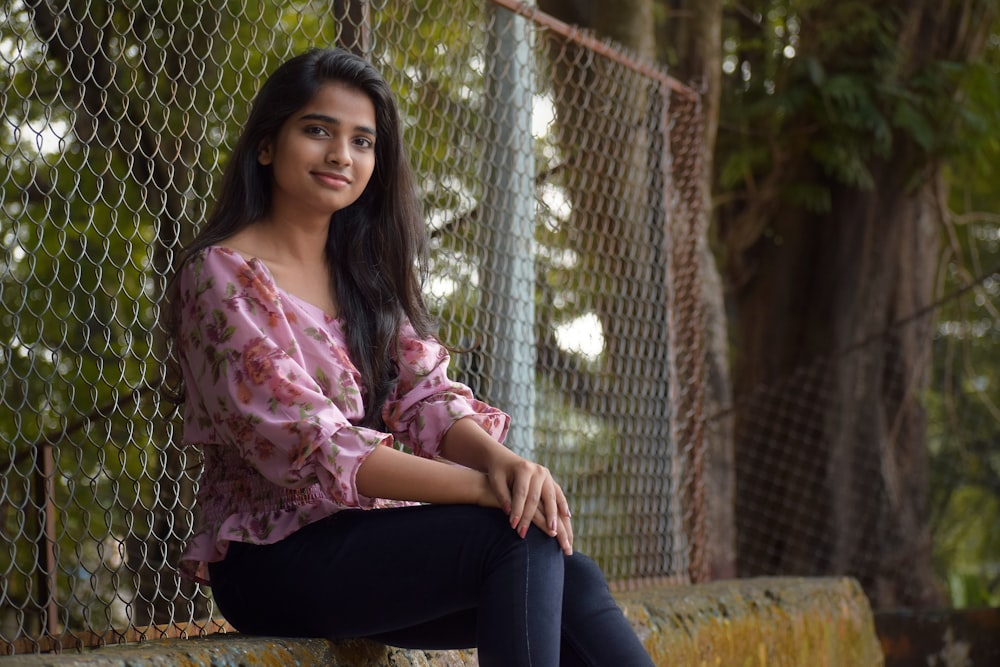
column 509, row 196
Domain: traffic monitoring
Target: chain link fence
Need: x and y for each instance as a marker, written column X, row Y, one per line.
column 560, row 181
column 560, row 178
column 914, row 515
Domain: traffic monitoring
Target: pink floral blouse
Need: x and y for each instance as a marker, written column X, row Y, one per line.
column 273, row 401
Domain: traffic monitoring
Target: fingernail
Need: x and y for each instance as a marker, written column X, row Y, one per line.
column 514, row 520
column 523, row 531
column 506, row 508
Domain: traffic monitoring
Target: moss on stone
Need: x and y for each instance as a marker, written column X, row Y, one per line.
column 777, row 622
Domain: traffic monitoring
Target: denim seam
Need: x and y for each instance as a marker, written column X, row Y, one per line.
column 527, row 583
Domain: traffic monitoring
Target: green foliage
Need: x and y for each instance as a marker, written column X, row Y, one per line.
column 90, row 219
column 835, row 82
column 820, row 96
column 91, row 204
column 431, row 83
column 964, row 423
column 967, row 529
column 963, row 410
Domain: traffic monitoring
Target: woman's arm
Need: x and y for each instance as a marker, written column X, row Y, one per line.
column 525, row 490
column 395, row 475
column 426, row 402
column 438, row 417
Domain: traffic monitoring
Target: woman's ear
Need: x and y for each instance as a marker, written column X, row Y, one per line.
column 264, row 155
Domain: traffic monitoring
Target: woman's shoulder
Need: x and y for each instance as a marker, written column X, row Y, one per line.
column 212, row 254
column 212, row 263
column 219, row 254
column 224, row 265
column 224, row 258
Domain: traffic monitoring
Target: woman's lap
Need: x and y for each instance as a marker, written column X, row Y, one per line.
column 359, row 573
column 416, row 577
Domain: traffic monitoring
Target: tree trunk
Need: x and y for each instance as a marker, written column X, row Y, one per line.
column 831, row 452
column 833, row 356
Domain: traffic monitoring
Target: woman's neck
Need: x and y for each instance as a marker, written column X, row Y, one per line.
column 289, row 244
column 295, row 258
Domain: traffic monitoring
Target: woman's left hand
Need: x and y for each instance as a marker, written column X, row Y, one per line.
column 528, row 494
column 524, row 490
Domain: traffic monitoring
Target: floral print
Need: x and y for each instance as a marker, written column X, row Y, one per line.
column 273, row 401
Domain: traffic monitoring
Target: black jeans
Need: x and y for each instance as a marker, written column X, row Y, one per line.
column 430, row 577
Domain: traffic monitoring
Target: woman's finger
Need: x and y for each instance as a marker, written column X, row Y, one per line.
column 565, row 535
column 562, row 503
column 518, row 496
column 532, row 504
column 550, row 500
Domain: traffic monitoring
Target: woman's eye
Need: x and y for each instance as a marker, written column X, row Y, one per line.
column 315, row 130
column 364, row 142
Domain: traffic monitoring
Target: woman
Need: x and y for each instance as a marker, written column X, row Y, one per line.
column 307, row 355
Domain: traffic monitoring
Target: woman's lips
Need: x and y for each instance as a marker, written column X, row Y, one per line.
column 331, row 179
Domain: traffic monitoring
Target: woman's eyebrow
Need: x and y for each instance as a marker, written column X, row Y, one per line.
column 334, row 121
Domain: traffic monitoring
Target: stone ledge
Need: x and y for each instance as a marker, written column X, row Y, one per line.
column 772, row 622
column 777, row 622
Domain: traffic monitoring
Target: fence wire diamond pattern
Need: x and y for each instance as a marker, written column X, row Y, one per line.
column 559, row 178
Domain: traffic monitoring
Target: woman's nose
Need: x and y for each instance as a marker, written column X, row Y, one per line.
column 339, row 152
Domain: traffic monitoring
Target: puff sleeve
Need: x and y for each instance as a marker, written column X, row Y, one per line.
column 426, row 402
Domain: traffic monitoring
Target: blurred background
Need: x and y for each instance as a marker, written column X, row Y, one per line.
column 733, row 267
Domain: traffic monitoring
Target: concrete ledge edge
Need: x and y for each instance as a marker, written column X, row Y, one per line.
column 778, row 622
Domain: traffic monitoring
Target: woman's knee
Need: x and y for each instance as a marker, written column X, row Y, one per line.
column 535, row 553
column 583, row 573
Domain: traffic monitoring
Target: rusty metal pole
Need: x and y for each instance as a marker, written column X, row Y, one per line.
column 354, row 24
column 48, row 606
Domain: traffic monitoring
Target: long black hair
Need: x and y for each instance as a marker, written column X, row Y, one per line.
column 376, row 247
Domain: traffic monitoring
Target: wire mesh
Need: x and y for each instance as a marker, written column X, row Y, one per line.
column 559, row 178
column 912, row 514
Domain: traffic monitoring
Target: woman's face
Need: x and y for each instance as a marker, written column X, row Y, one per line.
column 324, row 155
